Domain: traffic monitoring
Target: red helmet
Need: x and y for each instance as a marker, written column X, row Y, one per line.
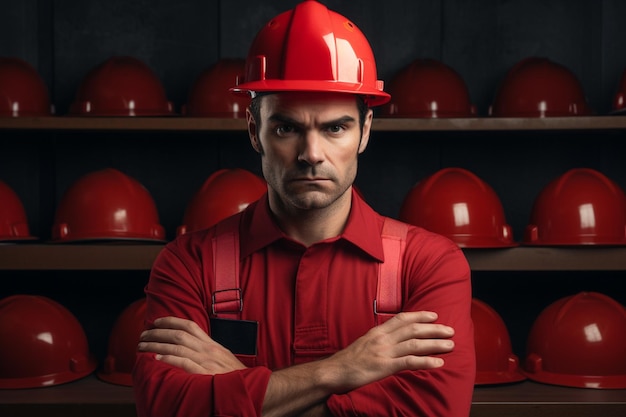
column 107, row 205
column 224, row 193
column 579, row 341
column 312, row 48
column 210, row 94
column 41, row 343
column 619, row 101
column 428, row 88
column 118, row 365
column 581, row 207
column 22, row 90
column 455, row 203
column 13, row 221
column 121, row 86
column 495, row 361
column 538, row 87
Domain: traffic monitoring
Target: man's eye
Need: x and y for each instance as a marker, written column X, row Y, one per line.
column 336, row 129
column 284, row 130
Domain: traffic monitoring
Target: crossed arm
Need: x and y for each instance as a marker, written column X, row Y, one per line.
column 408, row 341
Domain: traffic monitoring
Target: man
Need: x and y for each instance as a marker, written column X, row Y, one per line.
column 310, row 339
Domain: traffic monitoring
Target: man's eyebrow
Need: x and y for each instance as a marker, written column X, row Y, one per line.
column 281, row 118
column 340, row 121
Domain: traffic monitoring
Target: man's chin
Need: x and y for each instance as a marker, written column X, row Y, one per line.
column 311, row 199
column 314, row 199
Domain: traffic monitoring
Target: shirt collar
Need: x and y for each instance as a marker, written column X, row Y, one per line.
column 362, row 229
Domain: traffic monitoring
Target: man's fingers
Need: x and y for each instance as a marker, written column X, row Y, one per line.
column 185, row 325
column 420, row 362
column 177, row 331
column 166, row 349
column 422, row 331
column 183, row 344
column 181, row 362
column 407, row 317
column 174, row 342
column 178, row 337
column 423, row 347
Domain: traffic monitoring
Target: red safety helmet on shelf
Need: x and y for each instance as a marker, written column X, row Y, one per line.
column 312, row 48
column 428, row 88
column 41, row 343
column 210, row 94
column 495, row 361
column 580, row 207
column 619, row 100
column 122, row 348
column 224, row 193
column 13, row 220
column 539, row 87
column 579, row 341
column 455, row 203
column 107, row 205
column 23, row 92
column 121, row 86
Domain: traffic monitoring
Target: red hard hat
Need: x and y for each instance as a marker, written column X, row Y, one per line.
column 13, row 220
column 312, row 48
column 107, row 205
column 122, row 349
column 580, row 207
column 121, row 86
column 224, row 193
column 22, row 90
column 579, row 341
column 455, row 203
column 619, row 101
column 210, row 94
column 495, row 361
column 538, row 87
column 41, row 343
column 428, row 88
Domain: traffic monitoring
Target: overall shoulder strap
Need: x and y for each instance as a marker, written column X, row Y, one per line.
column 388, row 300
column 226, row 300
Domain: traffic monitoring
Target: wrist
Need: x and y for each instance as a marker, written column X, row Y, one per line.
column 329, row 376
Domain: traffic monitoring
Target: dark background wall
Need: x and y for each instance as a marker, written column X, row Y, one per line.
column 480, row 39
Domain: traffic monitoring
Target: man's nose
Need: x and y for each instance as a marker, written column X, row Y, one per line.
column 311, row 150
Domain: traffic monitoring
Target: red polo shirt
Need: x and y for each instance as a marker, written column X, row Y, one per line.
column 309, row 303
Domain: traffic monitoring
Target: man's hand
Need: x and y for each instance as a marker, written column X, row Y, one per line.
column 408, row 341
column 182, row 343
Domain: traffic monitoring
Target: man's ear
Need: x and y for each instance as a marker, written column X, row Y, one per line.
column 367, row 127
column 253, row 131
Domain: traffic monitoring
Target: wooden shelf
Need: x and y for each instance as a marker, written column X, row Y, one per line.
column 36, row 257
column 180, row 123
column 93, row 397
column 501, row 124
column 539, row 400
column 123, row 123
column 140, row 257
column 86, row 397
column 526, row 258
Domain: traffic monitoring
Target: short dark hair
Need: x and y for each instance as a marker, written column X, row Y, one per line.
column 255, row 109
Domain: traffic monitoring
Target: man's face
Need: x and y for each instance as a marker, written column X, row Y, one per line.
column 309, row 144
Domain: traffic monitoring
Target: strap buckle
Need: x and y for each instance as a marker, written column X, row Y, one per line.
column 227, row 301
